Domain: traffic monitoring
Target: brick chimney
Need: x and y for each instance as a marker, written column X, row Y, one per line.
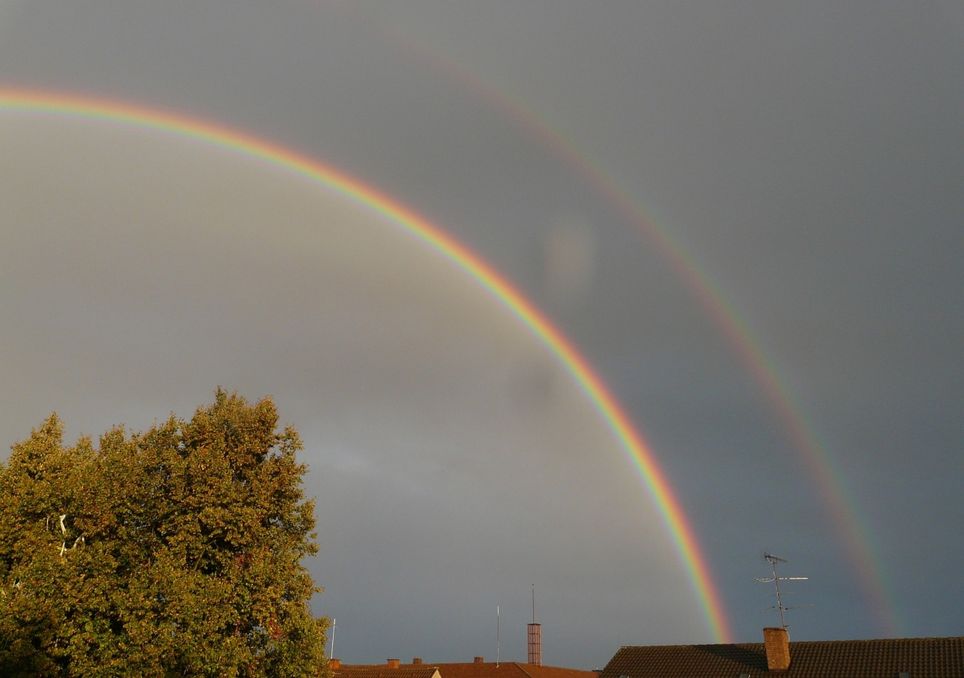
column 777, row 644
column 478, row 660
column 534, row 633
column 394, row 663
column 334, row 664
column 416, row 660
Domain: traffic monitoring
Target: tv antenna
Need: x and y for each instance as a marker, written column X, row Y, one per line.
column 775, row 580
column 533, row 603
column 498, row 635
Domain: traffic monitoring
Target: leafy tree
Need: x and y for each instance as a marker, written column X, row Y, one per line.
column 176, row 551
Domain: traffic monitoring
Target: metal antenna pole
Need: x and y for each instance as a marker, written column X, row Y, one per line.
column 776, row 585
column 533, row 603
column 498, row 635
column 334, row 625
column 775, row 580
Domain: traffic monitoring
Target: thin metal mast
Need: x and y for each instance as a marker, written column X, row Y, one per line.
column 498, row 635
column 775, row 580
column 334, row 625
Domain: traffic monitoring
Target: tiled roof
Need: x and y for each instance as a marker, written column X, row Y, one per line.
column 556, row 672
column 508, row 670
column 460, row 670
column 384, row 671
column 887, row 658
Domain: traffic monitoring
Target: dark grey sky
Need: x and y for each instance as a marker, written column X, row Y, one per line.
column 806, row 158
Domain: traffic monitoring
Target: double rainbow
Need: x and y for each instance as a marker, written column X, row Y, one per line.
column 853, row 533
column 635, row 446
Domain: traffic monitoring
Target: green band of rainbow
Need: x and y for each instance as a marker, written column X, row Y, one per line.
column 632, row 441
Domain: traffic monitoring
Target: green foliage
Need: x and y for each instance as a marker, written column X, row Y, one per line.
column 171, row 552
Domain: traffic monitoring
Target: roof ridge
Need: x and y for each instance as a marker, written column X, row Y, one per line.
column 803, row 642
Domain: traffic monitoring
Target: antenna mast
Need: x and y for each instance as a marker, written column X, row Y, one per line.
column 498, row 635
column 775, row 580
column 334, row 625
column 533, row 603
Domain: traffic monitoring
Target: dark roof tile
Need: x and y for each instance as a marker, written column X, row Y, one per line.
column 886, row 658
column 461, row 670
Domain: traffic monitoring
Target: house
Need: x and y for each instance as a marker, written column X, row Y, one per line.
column 391, row 669
column 478, row 668
column 776, row 656
column 483, row 669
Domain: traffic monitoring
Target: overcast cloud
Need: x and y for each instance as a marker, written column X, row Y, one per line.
column 807, row 158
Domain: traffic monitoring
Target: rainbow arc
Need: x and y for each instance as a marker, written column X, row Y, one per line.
column 436, row 239
column 852, row 532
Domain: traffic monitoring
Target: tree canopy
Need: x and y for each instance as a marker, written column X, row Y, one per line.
column 176, row 551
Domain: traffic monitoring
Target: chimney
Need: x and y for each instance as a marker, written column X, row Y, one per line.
column 478, row 660
column 535, row 644
column 777, row 644
column 394, row 663
column 416, row 660
column 534, row 635
column 334, row 664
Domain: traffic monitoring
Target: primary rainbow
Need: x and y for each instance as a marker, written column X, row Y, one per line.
column 633, row 443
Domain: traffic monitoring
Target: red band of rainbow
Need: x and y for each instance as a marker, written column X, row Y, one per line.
column 633, row 443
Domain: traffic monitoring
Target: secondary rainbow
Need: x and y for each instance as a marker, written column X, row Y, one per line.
column 852, row 532
column 632, row 441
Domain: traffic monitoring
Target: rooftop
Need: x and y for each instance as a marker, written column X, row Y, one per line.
column 474, row 669
column 885, row 658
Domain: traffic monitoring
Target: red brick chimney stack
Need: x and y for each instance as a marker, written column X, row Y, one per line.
column 478, row 660
column 416, row 660
column 776, row 641
column 394, row 663
column 534, row 632
column 334, row 664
